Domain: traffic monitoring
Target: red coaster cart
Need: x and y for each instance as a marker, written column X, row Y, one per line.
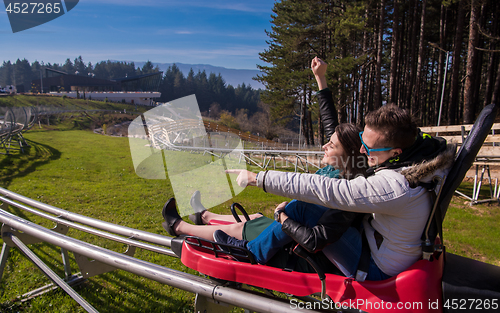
column 439, row 282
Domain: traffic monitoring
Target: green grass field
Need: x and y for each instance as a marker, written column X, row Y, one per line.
column 93, row 175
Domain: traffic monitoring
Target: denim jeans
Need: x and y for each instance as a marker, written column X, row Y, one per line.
column 273, row 238
column 344, row 253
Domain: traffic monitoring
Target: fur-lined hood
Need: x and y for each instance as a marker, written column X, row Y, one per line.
column 426, row 170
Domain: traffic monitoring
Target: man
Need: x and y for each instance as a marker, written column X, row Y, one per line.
column 397, row 206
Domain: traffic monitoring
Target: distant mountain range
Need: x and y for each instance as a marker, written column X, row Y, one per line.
column 232, row 77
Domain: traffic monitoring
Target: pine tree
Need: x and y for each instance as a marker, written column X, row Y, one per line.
column 68, row 67
column 23, row 75
column 6, row 77
column 301, row 31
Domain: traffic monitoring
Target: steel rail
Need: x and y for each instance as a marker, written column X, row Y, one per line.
column 177, row 279
column 47, row 271
column 227, row 150
column 74, row 217
column 106, row 235
column 297, row 154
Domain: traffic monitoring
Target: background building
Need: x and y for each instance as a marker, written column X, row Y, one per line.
column 142, row 89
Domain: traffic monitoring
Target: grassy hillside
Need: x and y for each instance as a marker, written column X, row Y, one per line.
column 63, row 102
column 93, row 175
column 82, row 114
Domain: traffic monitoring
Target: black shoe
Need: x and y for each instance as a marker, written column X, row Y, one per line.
column 222, row 237
column 170, row 215
column 196, row 218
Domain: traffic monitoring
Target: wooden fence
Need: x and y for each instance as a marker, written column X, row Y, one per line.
column 486, row 168
column 456, row 133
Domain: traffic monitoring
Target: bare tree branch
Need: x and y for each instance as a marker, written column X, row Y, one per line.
column 487, row 50
column 486, row 34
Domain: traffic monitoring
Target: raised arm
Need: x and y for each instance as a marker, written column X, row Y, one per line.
column 318, row 67
column 327, row 109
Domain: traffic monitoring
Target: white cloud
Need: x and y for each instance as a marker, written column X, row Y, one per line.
column 209, row 33
column 184, row 32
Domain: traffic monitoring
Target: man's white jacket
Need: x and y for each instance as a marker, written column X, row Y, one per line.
column 399, row 207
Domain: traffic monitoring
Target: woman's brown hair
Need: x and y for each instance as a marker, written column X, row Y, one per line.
column 355, row 162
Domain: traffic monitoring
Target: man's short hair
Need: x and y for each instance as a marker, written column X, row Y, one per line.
column 397, row 125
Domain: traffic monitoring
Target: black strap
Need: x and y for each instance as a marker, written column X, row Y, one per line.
column 438, row 220
column 435, row 223
column 300, row 251
column 291, row 261
column 364, row 260
column 429, row 186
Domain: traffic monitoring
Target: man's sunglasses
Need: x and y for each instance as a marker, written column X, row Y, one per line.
column 368, row 150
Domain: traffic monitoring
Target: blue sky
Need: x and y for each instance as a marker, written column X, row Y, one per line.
column 227, row 33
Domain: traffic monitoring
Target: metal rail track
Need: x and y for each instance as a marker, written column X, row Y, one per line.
column 20, row 233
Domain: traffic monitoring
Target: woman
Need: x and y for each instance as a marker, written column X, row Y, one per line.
column 343, row 159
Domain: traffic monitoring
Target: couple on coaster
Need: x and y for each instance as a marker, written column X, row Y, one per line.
column 374, row 185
